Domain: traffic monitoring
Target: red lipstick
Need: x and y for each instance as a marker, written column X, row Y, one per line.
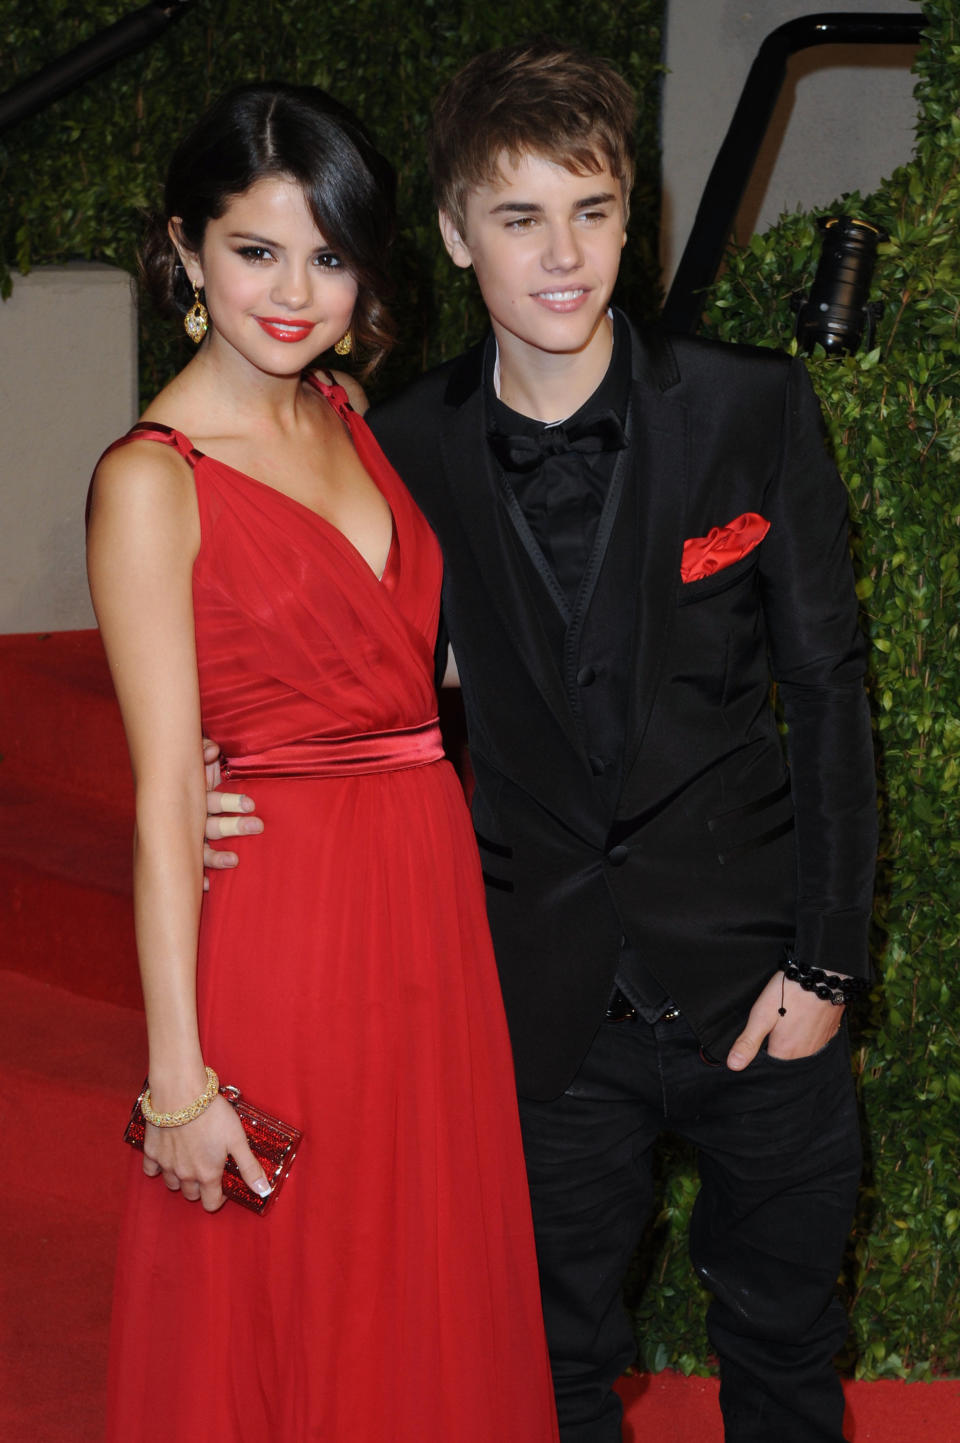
column 282, row 330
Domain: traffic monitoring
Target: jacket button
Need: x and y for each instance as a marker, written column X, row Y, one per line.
column 617, row 855
column 598, row 766
column 586, row 676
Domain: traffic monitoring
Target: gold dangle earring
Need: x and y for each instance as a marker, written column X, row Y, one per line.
column 196, row 321
column 344, row 346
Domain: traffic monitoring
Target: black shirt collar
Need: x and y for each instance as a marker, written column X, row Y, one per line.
column 613, row 392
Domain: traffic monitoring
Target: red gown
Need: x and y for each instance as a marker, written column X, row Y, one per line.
column 346, row 983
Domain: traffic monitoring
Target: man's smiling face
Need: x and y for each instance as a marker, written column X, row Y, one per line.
column 545, row 245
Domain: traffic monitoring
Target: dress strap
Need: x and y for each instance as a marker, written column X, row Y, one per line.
column 166, row 435
column 333, row 392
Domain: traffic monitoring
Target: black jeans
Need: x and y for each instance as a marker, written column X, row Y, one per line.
column 779, row 1158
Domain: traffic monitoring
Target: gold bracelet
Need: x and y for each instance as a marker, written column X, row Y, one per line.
column 184, row 1114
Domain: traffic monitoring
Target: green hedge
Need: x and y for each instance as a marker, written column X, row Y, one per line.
column 79, row 175
column 893, row 414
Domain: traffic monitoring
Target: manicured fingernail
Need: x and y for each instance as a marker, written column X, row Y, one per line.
column 247, row 804
column 249, row 825
column 262, row 1188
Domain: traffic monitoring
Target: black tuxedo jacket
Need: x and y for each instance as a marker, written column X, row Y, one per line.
column 709, row 853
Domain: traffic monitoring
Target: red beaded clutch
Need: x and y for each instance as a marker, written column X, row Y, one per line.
column 273, row 1143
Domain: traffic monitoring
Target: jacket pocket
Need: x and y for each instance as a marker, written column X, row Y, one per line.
column 720, row 581
column 753, row 824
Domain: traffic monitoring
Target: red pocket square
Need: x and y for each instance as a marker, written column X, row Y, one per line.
column 722, row 546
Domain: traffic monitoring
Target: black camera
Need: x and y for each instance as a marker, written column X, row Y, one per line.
column 836, row 313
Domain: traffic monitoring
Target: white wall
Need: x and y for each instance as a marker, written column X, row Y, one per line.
column 68, row 364
column 844, row 121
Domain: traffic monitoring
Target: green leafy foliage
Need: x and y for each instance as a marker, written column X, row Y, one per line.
column 79, row 175
column 893, row 416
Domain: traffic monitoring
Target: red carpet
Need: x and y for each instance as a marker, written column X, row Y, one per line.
column 71, row 1058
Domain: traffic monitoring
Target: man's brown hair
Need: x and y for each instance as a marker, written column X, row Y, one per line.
column 540, row 98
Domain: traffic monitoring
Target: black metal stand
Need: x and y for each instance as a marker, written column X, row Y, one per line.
column 87, row 59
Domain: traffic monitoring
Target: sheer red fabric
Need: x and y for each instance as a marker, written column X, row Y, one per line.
column 346, row 983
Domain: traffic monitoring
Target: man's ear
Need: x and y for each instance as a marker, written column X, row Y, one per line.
column 457, row 248
column 188, row 258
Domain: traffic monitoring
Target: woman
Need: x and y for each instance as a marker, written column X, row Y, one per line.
column 259, row 573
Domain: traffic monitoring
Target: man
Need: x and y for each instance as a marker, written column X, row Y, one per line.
column 639, row 534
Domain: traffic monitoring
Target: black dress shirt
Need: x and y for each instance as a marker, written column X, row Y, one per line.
column 562, row 499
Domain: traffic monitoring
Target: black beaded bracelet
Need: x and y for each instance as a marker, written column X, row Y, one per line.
column 826, row 985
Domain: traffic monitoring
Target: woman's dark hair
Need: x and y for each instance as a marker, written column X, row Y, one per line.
column 299, row 132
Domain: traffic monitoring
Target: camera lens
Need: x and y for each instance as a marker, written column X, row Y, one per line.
column 836, row 312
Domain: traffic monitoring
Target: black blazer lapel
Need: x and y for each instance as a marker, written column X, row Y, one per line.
column 659, row 447
column 511, row 581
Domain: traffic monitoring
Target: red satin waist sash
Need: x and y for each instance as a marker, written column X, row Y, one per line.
column 392, row 751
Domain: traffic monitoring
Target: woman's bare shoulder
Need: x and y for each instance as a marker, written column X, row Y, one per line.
column 143, row 464
column 143, row 491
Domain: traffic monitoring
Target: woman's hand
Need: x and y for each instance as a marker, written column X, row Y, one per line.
column 191, row 1158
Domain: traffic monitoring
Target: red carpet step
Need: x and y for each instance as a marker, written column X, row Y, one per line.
column 668, row 1408
column 66, row 800
column 69, row 1068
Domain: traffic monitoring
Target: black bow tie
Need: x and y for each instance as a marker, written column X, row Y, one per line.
column 602, row 432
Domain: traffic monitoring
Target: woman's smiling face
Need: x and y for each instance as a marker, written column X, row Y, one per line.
column 276, row 293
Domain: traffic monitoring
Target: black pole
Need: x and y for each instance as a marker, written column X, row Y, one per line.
column 87, row 59
column 738, row 153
